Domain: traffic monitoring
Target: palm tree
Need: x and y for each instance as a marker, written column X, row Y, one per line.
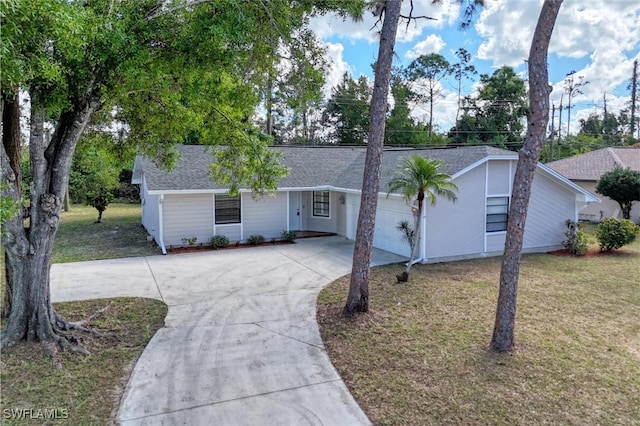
column 419, row 177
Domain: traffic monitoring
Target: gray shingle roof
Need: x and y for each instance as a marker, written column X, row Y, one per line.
column 592, row 165
column 340, row 167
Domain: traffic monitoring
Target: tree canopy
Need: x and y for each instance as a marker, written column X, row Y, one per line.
column 496, row 116
column 622, row 186
column 164, row 72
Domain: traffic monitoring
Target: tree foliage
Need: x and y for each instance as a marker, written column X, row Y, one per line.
column 348, row 110
column 496, row 116
column 166, row 72
column 94, row 172
column 622, row 186
column 426, row 73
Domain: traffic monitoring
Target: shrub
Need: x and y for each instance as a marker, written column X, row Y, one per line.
column 615, row 233
column 288, row 236
column 255, row 239
column 191, row 241
column 219, row 241
column 577, row 241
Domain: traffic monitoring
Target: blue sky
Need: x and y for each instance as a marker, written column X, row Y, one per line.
column 599, row 39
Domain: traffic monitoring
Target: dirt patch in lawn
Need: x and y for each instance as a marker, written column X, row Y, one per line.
column 592, row 252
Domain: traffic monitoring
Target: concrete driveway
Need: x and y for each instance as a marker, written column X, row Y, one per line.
column 240, row 344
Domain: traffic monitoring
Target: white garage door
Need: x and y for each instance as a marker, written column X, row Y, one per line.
column 387, row 237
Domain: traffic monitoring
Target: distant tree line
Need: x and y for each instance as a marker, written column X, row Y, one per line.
column 494, row 115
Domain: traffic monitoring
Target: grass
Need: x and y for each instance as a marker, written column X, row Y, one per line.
column 120, row 234
column 86, row 390
column 421, row 355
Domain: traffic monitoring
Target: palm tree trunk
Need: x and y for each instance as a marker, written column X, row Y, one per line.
column 416, row 238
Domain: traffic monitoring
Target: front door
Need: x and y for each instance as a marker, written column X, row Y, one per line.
column 295, row 211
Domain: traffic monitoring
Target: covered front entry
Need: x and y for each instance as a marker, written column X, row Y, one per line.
column 319, row 210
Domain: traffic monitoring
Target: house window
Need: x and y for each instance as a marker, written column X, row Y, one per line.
column 497, row 209
column 321, row 203
column 227, row 209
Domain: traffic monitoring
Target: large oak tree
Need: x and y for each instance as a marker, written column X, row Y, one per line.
column 168, row 72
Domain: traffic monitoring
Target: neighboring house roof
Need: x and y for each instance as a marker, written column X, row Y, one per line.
column 309, row 167
column 592, row 165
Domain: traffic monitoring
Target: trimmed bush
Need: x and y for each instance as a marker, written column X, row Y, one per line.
column 577, row 241
column 255, row 239
column 189, row 242
column 219, row 241
column 615, row 233
column 288, row 236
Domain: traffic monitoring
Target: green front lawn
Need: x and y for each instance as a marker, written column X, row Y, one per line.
column 421, row 355
column 120, row 234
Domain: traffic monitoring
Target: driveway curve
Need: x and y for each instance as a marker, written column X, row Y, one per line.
column 240, row 345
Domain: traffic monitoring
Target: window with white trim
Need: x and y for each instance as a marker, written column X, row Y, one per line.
column 227, row 209
column 497, row 213
column 321, row 207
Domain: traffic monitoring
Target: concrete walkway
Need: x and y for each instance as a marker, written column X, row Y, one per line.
column 240, row 344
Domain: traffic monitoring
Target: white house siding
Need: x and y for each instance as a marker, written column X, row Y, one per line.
column 550, row 206
column 499, row 184
column 341, row 213
column 351, row 215
column 266, row 216
column 232, row 231
column 187, row 216
column 320, row 224
column 457, row 229
column 150, row 212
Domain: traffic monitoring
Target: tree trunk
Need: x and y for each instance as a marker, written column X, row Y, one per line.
column 626, row 209
column 634, row 93
column 358, row 298
column 430, row 113
column 416, row 237
column 503, row 332
column 29, row 249
column 11, row 142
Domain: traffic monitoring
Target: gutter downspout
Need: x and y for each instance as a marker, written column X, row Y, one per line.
column 160, row 224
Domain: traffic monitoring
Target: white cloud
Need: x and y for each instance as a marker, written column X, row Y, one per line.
column 601, row 31
column 331, row 25
column 507, row 29
column 603, row 34
column 337, row 66
column 432, row 44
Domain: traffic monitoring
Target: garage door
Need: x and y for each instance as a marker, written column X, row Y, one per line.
column 387, row 237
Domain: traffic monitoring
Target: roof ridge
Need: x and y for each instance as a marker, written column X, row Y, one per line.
column 616, row 159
